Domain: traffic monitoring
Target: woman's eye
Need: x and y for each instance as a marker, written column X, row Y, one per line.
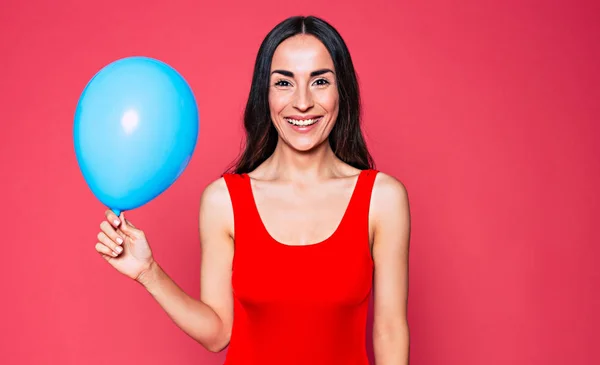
column 321, row 82
column 282, row 83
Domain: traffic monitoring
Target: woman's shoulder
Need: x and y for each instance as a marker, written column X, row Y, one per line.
column 389, row 192
column 216, row 209
column 216, row 194
column 386, row 180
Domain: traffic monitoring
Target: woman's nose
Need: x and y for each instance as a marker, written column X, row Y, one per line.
column 303, row 99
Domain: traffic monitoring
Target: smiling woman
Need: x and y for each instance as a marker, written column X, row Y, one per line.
column 295, row 238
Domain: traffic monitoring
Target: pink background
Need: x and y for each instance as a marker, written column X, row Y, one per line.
column 487, row 111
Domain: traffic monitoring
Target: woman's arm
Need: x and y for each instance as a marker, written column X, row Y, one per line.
column 391, row 235
column 208, row 320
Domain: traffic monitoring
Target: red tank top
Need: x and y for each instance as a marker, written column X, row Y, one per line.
column 300, row 304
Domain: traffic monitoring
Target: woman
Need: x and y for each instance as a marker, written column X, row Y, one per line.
column 311, row 223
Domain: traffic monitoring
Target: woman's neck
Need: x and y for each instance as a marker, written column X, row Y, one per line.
column 289, row 164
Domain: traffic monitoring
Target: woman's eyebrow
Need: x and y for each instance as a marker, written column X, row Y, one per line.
column 312, row 74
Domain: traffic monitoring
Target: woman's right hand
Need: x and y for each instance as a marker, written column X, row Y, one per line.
column 124, row 246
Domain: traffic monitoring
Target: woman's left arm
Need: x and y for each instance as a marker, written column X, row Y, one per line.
column 391, row 234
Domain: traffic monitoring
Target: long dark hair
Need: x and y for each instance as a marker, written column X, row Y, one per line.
column 346, row 139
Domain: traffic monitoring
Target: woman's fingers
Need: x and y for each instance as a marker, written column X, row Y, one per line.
column 111, row 233
column 104, row 250
column 112, row 218
column 122, row 218
column 112, row 245
column 129, row 229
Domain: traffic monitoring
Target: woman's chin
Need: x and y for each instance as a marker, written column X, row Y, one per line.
column 304, row 144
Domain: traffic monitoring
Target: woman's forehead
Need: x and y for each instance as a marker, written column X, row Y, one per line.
column 301, row 54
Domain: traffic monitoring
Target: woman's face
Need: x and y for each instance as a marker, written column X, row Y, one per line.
column 303, row 95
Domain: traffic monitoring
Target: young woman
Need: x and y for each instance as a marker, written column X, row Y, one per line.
column 294, row 238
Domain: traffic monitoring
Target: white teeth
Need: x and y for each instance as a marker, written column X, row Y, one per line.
column 302, row 123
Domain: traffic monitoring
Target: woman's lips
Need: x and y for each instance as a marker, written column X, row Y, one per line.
column 304, row 124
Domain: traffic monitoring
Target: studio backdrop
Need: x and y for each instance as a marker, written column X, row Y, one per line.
column 487, row 111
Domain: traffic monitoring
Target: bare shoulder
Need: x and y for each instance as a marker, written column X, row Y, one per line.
column 390, row 216
column 215, row 193
column 389, row 204
column 389, row 194
column 215, row 205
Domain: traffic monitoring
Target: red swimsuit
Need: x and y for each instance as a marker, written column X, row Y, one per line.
column 304, row 305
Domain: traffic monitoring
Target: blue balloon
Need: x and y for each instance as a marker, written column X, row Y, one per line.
column 136, row 128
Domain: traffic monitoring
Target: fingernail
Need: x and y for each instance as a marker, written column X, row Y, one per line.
column 115, row 254
column 119, row 240
column 119, row 249
column 117, row 222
